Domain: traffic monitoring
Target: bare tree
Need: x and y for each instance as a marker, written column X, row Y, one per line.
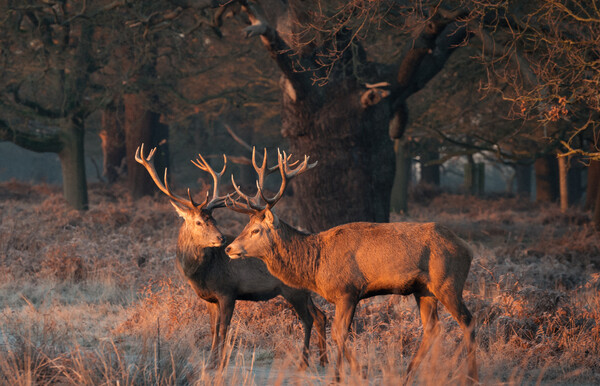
column 47, row 60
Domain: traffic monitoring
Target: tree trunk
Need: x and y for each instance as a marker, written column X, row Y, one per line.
column 480, row 174
column 353, row 179
column 399, row 200
column 430, row 174
column 470, row 179
column 574, row 180
column 341, row 110
column 563, row 171
column 593, row 184
column 596, row 215
column 546, row 179
column 523, row 172
column 143, row 126
column 113, row 140
column 72, row 162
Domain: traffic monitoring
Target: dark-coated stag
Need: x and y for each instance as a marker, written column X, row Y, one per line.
column 220, row 281
column 358, row 260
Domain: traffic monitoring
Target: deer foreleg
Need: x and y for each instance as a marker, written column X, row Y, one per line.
column 321, row 326
column 226, row 307
column 213, row 312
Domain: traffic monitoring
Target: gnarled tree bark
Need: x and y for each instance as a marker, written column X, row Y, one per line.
column 345, row 124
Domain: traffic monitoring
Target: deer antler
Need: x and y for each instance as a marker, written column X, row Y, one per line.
column 139, row 157
column 216, row 200
column 254, row 205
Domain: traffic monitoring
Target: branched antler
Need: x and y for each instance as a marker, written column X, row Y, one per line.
column 253, row 205
column 216, row 200
column 145, row 161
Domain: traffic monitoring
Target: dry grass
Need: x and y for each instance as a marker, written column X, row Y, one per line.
column 93, row 298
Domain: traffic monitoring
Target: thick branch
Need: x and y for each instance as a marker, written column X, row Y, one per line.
column 37, row 108
column 428, row 55
column 40, row 143
column 276, row 46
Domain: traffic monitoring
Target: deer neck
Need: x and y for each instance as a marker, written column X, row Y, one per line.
column 196, row 260
column 294, row 258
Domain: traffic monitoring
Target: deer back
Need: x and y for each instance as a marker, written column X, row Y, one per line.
column 398, row 257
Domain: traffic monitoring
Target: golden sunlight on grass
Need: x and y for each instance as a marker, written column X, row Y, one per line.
column 93, row 298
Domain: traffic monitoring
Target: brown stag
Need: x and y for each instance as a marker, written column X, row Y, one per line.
column 358, row 260
column 220, row 281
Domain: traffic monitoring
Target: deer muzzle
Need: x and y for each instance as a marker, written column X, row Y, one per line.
column 234, row 251
column 219, row 242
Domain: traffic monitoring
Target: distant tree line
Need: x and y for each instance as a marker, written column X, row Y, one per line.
column 348, row 73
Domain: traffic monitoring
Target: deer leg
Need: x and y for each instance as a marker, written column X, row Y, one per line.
column 460, row 312
column 429, row 318
column 344, row 313
column 226, row 307
column 213, row 312
column 321, row 326
column 300, row 304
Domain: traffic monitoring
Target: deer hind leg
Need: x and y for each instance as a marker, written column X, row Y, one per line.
column 300, row 304
column 429, row 318
column 344, row 313
column 460, row 312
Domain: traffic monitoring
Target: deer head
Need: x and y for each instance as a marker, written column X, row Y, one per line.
column 258, row 235
column 199, row 224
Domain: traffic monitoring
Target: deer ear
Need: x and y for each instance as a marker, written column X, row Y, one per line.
column 271, row 218
column 180, row 211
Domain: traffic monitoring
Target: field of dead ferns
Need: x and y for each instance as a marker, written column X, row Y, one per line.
column 93, row 298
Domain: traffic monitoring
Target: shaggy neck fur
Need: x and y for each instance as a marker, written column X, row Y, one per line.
column 294, row 258
column 193, row 258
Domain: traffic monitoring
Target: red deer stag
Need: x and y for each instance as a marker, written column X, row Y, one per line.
column 220, row 281
column 355, row 261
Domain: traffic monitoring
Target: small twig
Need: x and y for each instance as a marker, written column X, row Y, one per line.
column 237, row 138
column 98, row 174
column 240, row 160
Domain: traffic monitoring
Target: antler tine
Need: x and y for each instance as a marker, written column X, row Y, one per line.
column 263, row 169
column 216, row 201
column 286, row 175
column 251, row 206
column 145, row 161
column 240, row 208
column 304, row 166
column 191, row 199
column 262, row 172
